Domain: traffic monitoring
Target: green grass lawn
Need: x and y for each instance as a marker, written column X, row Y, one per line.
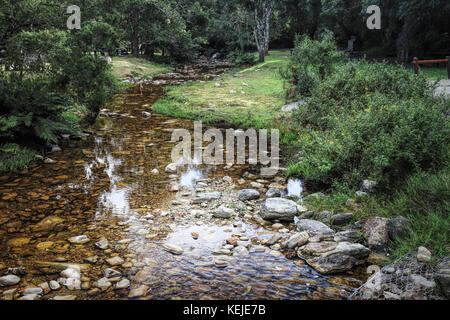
column 434, row 73
column 126, row 66
column 246, row 97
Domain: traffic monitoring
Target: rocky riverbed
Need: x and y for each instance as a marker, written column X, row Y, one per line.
column 108, row 217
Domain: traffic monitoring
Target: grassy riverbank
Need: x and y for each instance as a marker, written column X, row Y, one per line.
column 139, row 67
column 349, row 114
column 243, row 97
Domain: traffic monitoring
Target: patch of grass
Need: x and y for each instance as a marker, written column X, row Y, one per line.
column 126, row 66
column 434, row 73
column 424, row 201
column 14, row 158
column 250, row 97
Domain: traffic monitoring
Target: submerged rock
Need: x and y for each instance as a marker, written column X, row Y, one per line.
column 50, row 223
column 79, row 239
column 9, row 280
column 173, row 248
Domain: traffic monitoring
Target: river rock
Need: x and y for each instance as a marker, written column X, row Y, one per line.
column 79, row 239
column 399, row 228
column 278, row 209
column 313, row 227
column 423, row 255
column 240, row 251
column 115, row 261
column 274, row 239
column 330, row 258
column 9, row 280
column 223, row 212
column 103, row 284
column 273, row 193
column 72, row 284
column 18, row 242
column 377, row 233
column 173, row 187
column 341, row 219
column 171, row 168
column 30, row 291
column 54, row 285
column 206, row 197
column 138, row 292
column 123, row 284
column 173, row 248
column 111, row 273
column 297, row 239
column 248, row 194
column 71, row 273
column 102, row 244
column 50, row 223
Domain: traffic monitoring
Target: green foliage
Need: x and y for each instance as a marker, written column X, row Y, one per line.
column 312, row 61
column 240, row 58
column 370, row 120
column 13, row 157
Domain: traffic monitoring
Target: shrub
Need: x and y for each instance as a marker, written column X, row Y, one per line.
column 311, row 62
column 385, row 142
column 354, row 86
column 240, row 58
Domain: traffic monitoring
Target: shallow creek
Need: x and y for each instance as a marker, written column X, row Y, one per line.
column 104, row 187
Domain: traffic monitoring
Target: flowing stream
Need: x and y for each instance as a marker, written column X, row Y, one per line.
column 106, row 186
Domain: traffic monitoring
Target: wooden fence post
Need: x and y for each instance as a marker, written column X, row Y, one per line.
column 416, row 65
column 448, row 66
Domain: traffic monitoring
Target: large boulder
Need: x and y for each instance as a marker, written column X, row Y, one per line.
column 332, row 257
column 376, row 230
column 399, row 228
column 248, row 194
column 313, row 227
column 278, row 209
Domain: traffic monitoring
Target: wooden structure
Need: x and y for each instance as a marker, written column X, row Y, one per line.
column 416, row 62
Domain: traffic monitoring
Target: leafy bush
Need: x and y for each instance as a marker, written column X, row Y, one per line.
column 385, row 142
column 311, row 62
column 356, row 84
column 241, row 58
